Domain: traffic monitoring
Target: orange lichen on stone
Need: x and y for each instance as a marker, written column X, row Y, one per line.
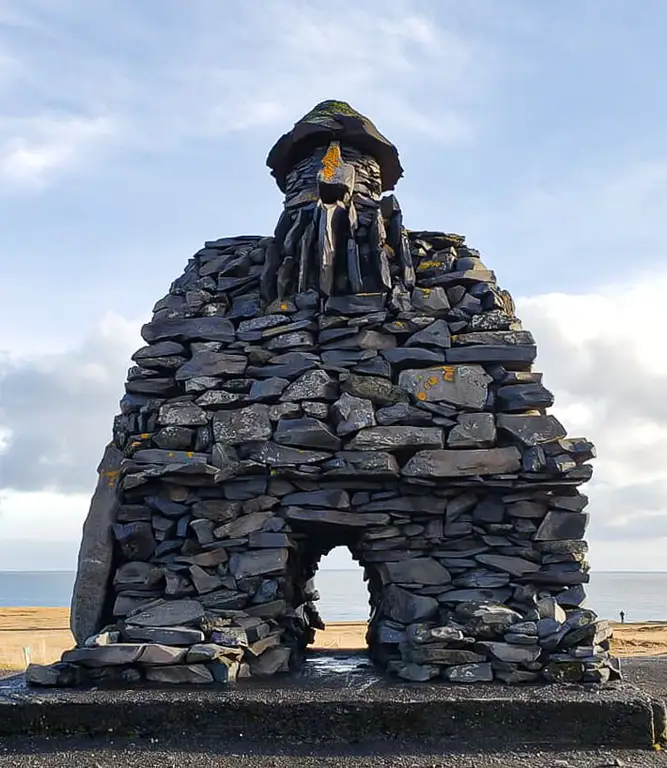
column 448, row 372
column 331, row 161
column 428, row 265
column 421, row 395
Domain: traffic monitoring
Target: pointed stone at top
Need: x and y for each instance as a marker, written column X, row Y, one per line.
column 333, row 121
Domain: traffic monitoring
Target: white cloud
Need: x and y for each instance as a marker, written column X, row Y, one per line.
column 56, row 410
column 201, row 72
column 601, row 353
column 33, row 149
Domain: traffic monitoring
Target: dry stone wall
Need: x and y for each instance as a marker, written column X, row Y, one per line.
column 277, row 412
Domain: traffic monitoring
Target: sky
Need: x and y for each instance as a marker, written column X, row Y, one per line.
column 132, row 131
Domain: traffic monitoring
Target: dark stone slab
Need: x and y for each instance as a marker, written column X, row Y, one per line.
column 284, row 456
column 462, row 385
column 212, row 364
column 531, row 429
column 355, row 304
column 562, row 525
column 188, row 329
column 396, row 438
column 488, row 461
column 242, row 425
column 306, row 433
column 403, row 414
column 491, row 354
column 404, row 357
column 350, row 414
column 374, row 388
column 404, row 606
column 434, row 335
column 90, row 596
column 336, row 517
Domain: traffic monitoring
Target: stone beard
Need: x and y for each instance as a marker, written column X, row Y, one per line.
column 332, row 237
column 343, row 382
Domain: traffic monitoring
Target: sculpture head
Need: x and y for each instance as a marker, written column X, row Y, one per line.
column 334, row 121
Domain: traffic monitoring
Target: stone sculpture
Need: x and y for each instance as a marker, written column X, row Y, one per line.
column 344, row 382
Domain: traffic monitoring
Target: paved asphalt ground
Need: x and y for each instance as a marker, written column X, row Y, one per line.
column 105, row 752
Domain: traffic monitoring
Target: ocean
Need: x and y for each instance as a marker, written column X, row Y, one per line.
column 642, row 595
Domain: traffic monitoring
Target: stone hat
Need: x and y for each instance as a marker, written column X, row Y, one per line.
column 333, row 121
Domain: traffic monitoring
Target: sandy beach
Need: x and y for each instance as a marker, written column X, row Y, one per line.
column 40, row 635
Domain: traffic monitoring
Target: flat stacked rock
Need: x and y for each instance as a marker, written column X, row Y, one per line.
column 276, row 413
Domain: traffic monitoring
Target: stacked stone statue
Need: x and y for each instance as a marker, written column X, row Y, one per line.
column 344, row 382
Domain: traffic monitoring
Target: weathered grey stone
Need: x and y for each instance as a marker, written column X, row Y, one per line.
column 243, row 525
column 174, row 438
column 182, row 329
column 180, row 674
column 218, row 510
column 205, row 652
column 469, row 673
column 212, row 364
column 403, row 414
column 44, row 675
column 306, row 433
column 515, row 566
column 104, row 655
column 203, row 581
column 158, row 456
column 337, row 517
column 374, row 388
column 136, row 540
column 154, row 655
column 312, row 385
column 396, row 438
column 435, row 335
column 523, row 397
column 350, row 414
column 182, row 415
column 163, row 635
column 333, row 498
column 420, row 570
column 90, row 596
column 242, row 425
column 418, row 673
column 406, row 607
column 271, row 661
column 219, row 398
column 490, row 461
column 562, row 525
column 483, row 618
column 531, row 429
column 473, row 430
column 432, row 301
column 267, row 390
column 168, row 613
column 284, row 456
column 460, row 385
column 258, row 562
column 365, row 462
column 436, row 654
column 513, row 654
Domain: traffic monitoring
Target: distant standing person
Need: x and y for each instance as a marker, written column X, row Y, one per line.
column 622, row 617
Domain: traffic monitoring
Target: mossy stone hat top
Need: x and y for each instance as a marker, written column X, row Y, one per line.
column 333, row 121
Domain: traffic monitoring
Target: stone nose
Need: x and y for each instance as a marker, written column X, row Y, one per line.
column 335, row 179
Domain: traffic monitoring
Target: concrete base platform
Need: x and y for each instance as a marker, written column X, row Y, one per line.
column 340, row 699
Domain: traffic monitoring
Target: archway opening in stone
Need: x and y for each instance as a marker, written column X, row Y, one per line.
column 343, row 601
